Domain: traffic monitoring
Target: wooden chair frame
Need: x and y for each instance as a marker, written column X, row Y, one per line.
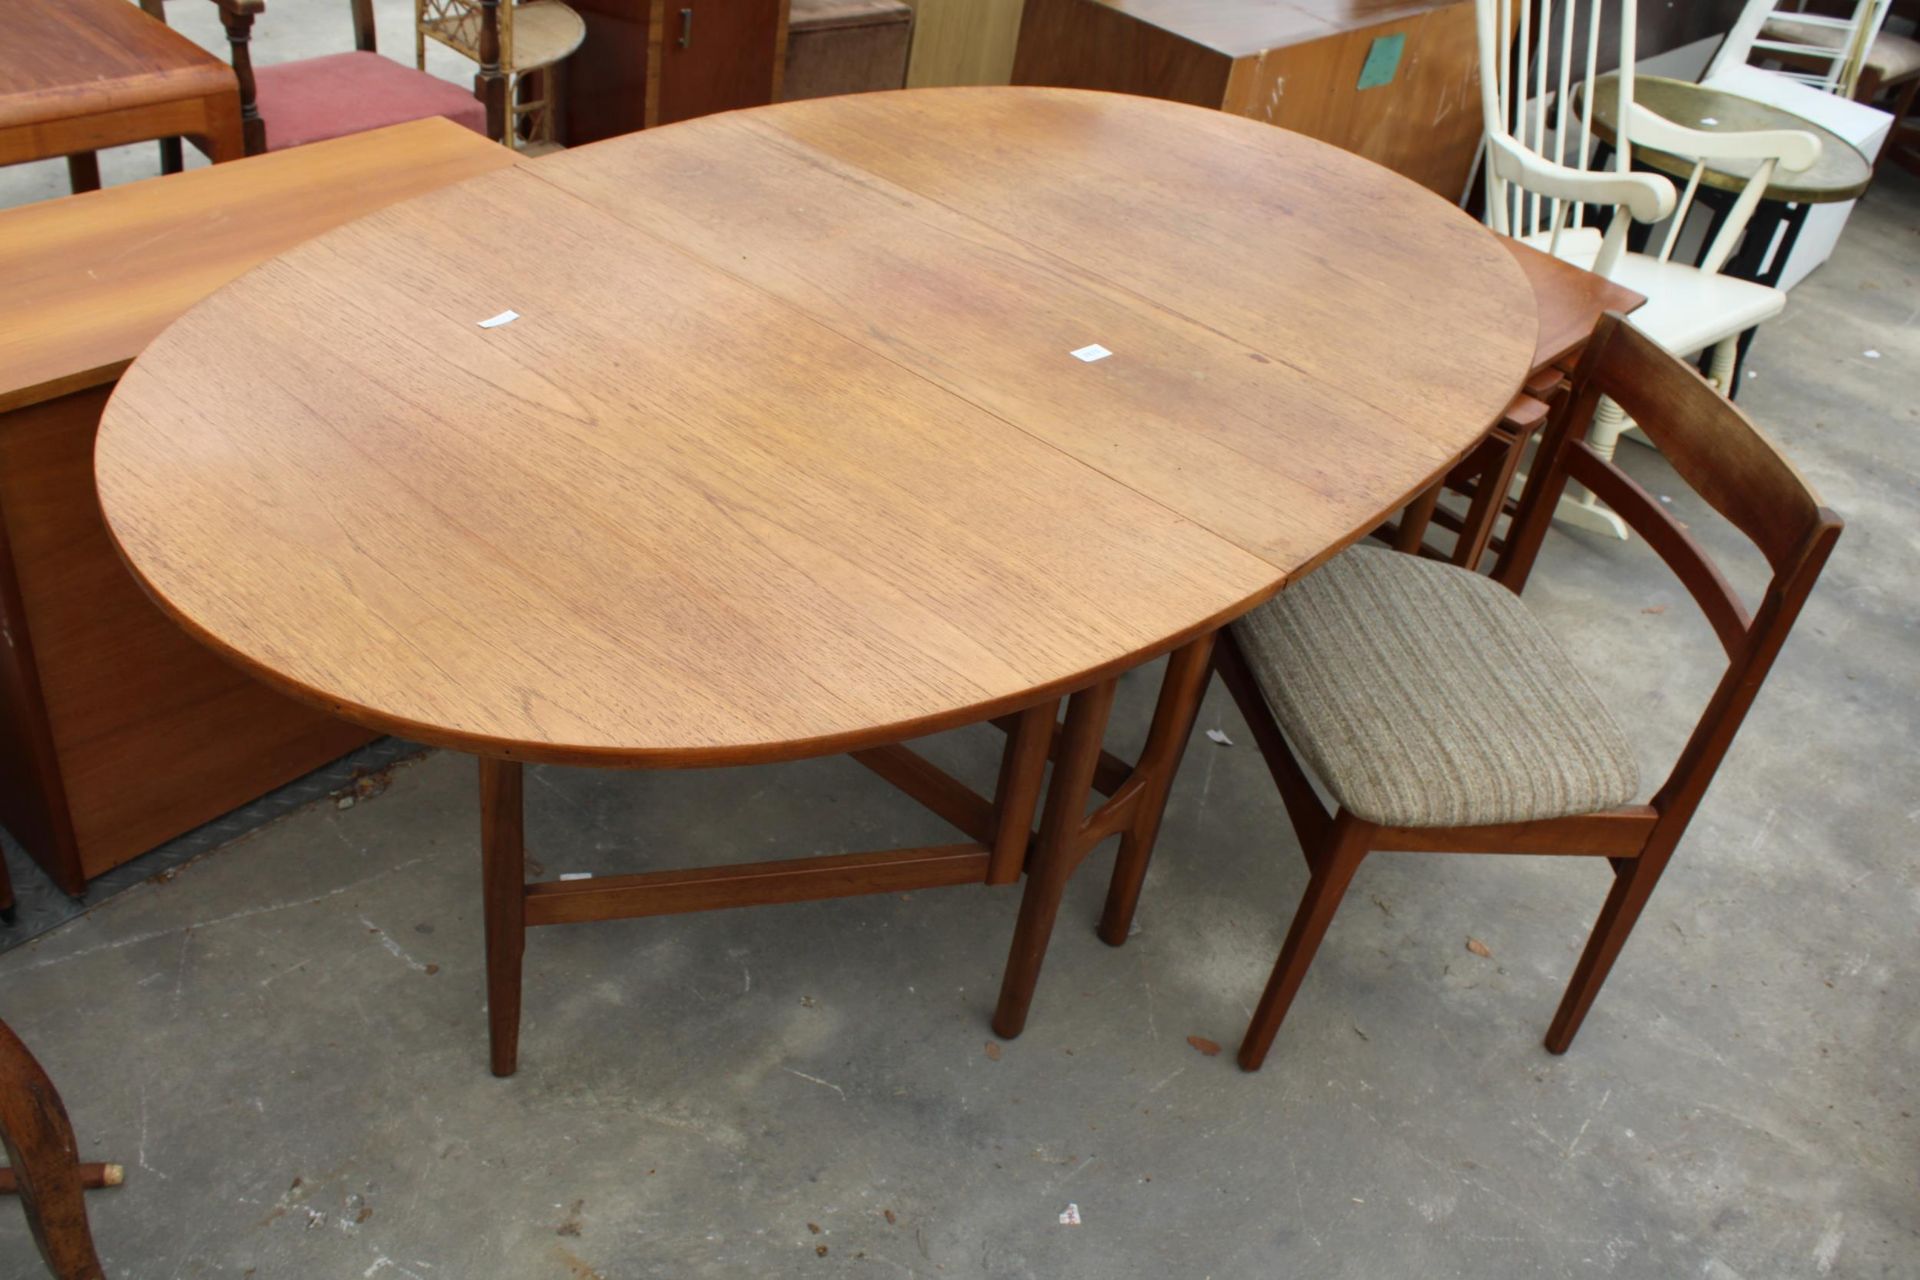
column 44, row 1167
column 489, row 84
column 1716, row 449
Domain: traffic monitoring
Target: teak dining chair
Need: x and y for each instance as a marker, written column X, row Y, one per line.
column 290, row 104
column 1540, row 188
column 1443, row 718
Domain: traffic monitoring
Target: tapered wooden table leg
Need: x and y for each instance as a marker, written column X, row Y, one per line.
column 503, row 861
column 1062, row 844
column 1188, row 672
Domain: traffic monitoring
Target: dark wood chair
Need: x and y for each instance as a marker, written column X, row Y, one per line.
column 44, row 1167
column 7, row 912
column 1442, row 717
column 290, row 104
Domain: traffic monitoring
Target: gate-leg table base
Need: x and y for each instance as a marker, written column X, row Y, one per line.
column 998, row 852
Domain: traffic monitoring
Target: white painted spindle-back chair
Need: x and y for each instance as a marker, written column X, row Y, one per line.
column 1825, row 51
column 1534, row 59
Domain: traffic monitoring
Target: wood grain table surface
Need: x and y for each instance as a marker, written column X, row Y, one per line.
column 78, row 75
column 786, row 453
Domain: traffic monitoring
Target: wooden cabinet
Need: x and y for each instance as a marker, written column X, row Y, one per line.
column 846, row 46
column 117, row 730
column 648, row 62
column 1396, row 81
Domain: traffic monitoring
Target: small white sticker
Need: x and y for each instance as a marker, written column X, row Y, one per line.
column 1216, row 735
column 576, row 875
column 505, row 317
column 1071, row 1218
column 1091, row 353
column 1871, row 355
column 1709, row 120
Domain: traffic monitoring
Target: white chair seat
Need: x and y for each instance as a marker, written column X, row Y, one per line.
column 1688, row 310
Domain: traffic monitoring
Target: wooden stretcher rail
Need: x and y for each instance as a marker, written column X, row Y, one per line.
column 753, row 884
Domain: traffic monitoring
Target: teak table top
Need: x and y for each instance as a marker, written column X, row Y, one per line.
column 63, row 58
column 92, row 278
column 786, row 453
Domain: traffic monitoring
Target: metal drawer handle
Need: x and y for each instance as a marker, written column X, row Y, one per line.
column 686, row 28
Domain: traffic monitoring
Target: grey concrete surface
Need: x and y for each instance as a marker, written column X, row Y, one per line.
column 284, row 1041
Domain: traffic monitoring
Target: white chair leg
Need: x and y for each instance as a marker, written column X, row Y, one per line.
column 1580, row 508
column 1720, row 371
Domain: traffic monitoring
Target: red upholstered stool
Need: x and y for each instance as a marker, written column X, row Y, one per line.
column 341, row 93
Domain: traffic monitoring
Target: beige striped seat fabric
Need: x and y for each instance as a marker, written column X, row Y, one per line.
column 1423, row 695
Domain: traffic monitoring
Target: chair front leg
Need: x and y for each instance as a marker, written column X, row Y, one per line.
column 1347, row 844
column 1726, row 354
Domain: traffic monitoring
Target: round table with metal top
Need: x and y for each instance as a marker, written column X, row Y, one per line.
column 808, row 430
column 1841, row 172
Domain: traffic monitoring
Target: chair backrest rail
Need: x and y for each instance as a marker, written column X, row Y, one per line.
column 1669, row 540
column 1724, row 458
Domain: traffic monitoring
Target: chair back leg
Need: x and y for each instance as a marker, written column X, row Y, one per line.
column 45, row 1162
column 1633, row 883
column 1333, row 868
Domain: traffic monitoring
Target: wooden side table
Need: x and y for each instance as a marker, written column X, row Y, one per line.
column 117, row 732
column 79, row 75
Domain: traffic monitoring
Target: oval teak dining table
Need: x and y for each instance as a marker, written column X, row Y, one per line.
column 802, row 442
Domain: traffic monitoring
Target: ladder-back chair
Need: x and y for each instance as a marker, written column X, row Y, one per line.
column 1536, row 96
column 1827, row 51
column 1443, row 718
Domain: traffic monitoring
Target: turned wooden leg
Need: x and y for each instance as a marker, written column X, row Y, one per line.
column 503, row 862
column 7, row 912
column 1333, row 871
column 1632, row 885
column 1056, row 855
column 44, row 1161
column 1188, row 672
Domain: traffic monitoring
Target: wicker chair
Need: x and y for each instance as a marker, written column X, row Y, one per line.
column 533, row 39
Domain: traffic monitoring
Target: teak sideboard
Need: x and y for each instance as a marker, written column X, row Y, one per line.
column 1396, row 81
column 117, row 730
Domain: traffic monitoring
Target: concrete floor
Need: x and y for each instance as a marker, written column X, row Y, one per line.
column 284, row 1040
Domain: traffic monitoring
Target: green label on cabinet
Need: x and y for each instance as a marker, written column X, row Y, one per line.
column 1383, row 59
